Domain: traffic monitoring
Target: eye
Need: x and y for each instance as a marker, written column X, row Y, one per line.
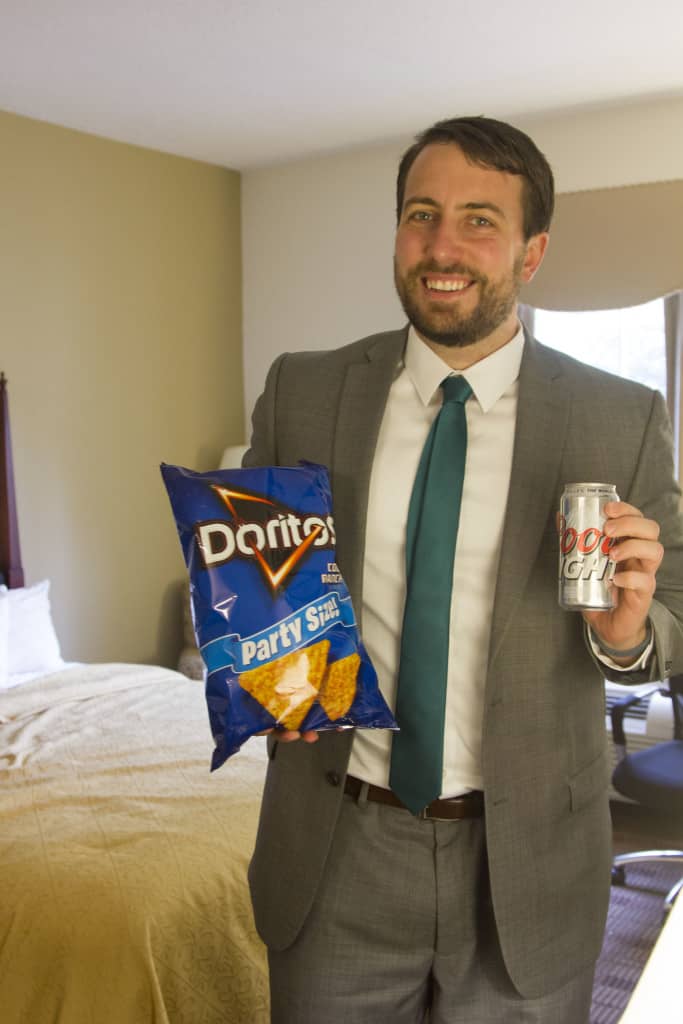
column 481, row 222
column 421, row 215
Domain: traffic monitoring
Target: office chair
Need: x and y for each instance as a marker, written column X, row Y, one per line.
column 653, row 778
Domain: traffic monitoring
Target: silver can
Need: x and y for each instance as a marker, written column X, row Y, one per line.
column 586, row 570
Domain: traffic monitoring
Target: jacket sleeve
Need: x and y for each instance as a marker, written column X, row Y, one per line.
column 656, row 494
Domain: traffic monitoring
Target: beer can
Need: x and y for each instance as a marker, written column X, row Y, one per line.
column 586, row 570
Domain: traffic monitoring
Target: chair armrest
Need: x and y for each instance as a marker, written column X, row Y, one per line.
column 618, row 712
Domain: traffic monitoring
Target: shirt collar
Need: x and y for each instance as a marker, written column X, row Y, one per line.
column 490, row 378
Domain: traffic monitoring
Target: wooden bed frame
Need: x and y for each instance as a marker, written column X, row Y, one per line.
column 11, row 571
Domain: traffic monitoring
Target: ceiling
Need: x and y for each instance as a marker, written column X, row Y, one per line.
column 246, row 83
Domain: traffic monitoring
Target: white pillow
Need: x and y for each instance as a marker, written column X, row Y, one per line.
column 33, row 645
column 4, row 623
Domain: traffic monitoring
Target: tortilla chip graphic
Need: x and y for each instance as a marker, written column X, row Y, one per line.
column 339, row 686
column 287, row 687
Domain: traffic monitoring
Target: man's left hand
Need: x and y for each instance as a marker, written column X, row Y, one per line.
column 638, row 555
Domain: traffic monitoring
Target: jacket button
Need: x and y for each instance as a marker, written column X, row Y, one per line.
column 333, row 778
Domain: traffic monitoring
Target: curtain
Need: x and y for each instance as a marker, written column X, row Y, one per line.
column 611, row 248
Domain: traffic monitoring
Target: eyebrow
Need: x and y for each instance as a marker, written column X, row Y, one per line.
column 428, row 201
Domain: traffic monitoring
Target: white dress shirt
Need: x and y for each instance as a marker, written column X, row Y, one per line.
column 414, row 400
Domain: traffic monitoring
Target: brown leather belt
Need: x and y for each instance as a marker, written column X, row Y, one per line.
column 471, row 805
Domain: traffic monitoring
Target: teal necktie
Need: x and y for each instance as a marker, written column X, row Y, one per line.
column 433, row 515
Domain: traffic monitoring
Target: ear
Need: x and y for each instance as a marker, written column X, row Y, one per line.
column 533, row 256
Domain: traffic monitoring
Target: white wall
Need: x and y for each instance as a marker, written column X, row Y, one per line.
column 318, row 233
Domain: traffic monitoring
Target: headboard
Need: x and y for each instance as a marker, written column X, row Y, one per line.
column 11, row 571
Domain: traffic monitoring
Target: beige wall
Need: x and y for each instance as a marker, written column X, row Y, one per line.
column 319, row 232
column 120, row 334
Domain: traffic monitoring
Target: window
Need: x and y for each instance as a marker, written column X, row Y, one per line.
column 630, row 342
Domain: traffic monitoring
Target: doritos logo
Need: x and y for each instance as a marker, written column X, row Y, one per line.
column 276, row 537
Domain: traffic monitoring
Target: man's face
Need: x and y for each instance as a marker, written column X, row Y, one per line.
column 460, row 256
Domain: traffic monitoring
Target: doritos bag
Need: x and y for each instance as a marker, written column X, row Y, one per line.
column 272, row 615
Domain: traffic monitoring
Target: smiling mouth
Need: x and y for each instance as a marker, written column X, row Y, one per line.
column 446, row 285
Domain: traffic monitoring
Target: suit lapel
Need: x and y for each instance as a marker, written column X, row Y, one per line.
column 361, row 408
column 542, row 418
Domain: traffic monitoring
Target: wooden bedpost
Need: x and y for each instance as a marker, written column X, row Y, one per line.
column 10, row 552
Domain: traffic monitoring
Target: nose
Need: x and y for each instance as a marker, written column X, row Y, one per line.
column 446, row 244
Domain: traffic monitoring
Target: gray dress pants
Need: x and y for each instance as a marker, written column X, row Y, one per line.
column 402, row 932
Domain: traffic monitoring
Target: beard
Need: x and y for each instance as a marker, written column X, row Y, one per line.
column 450, row 326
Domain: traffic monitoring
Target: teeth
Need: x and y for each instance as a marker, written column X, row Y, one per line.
column 448, row 286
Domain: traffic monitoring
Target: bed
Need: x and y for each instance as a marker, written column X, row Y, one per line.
column 123, row 860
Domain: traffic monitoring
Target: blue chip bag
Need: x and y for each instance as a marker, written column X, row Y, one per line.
column 272, row 615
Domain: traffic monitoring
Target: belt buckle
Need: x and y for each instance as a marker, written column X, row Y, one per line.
column 425, row 816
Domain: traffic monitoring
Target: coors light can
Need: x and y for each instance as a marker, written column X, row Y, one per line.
column 586, row 570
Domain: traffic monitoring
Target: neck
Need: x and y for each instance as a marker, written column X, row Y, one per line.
column 460, row 357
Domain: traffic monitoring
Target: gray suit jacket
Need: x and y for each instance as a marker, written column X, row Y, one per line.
column 545, row 761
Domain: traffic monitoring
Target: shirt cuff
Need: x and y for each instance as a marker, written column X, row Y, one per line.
column 639, row 664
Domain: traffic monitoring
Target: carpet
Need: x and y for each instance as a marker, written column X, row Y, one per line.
column 633, row 925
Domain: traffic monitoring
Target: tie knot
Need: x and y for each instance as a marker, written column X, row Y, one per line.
column 456, row 389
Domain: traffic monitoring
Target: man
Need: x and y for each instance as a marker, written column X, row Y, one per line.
column 481, row 908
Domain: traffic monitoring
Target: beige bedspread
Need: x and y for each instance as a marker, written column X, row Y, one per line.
column 123, row 894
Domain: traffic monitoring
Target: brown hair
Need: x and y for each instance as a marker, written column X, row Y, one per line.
column 496, row 144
